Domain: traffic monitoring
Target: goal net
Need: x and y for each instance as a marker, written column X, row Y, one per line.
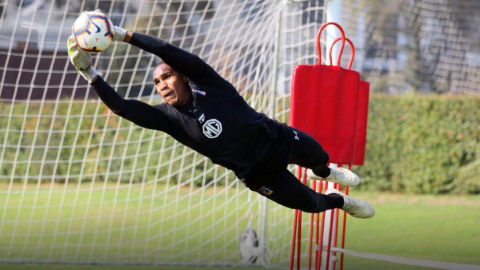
column 428, row 46
column 81, row 185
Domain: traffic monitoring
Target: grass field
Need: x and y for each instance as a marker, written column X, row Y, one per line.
column 440, row 228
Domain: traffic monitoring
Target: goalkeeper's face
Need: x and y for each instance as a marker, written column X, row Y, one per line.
column 171, row 85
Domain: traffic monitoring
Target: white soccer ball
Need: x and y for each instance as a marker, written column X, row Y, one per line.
column 93, row 31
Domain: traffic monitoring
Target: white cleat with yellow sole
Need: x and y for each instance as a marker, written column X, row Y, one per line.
column 341, row 176
column 354, row 207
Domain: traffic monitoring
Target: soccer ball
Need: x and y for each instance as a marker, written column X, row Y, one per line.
column 93, row 31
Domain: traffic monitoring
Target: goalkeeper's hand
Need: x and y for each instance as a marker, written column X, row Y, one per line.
column 81, row 60
column 119, row 33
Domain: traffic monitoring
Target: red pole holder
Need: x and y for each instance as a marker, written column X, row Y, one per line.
column 341, row 99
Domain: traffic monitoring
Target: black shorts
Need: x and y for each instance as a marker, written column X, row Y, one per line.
column 280, row 185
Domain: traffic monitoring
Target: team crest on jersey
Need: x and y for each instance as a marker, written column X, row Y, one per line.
column 212, row 128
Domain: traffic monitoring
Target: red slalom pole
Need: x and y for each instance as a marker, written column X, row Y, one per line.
column 344, row 226
column 336, row 227
column 299, row 225
column 343, row 233
column 299, row 238
column 337, row 216
column 329, row 245
column 294, row 230
column 317, row 245
column 310, row 238
column 294, row 233
column 320, row 250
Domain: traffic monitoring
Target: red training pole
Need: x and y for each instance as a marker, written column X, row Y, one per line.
column 329, row 245
column 344, row 226
column 336, row 228
column 336, row 223
column 294, row 233
column 310, row 238
column 317, row 246
column 294, row 230
column 343, row 233
column 322, row 230
column 299, row 226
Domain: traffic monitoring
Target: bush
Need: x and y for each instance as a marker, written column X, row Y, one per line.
column 415, row 144
column 422, row 144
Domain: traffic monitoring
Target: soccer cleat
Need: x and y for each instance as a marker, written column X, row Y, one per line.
column 354, row 207
column 341, row 176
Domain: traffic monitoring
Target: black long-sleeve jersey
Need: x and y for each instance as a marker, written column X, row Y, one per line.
column 216, row 122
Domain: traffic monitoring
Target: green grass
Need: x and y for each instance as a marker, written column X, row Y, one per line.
column 139, row 224
column 440, row 228
column 106, row 267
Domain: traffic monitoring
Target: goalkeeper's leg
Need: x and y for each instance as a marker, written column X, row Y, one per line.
column 308, row 153
column 286, row 190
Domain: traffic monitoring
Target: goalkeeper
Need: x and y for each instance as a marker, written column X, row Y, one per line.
column 205, row 112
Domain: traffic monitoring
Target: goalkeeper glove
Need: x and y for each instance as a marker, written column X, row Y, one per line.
column 81, row 60
column 119, row 33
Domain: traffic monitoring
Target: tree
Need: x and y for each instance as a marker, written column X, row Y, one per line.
column 436, row 36
column 439, row 33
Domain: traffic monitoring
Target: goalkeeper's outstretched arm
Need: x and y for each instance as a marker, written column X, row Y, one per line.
column 180, row 60
column 136, row 111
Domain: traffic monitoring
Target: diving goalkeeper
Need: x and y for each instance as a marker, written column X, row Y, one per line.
column 205, row 112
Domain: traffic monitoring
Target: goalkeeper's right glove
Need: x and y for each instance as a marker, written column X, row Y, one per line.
column 119, row 33
column 81, row 60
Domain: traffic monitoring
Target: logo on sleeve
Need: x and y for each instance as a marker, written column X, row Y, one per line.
column 212, row 128
column 201, row 119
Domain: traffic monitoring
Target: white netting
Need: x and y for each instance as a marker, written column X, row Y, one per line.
column 429, row 46
column 79, row 184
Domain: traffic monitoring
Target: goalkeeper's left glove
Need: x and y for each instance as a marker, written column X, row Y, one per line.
column 81, row 60
column 119, row 33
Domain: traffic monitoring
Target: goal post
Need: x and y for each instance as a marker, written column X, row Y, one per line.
column 334, row 14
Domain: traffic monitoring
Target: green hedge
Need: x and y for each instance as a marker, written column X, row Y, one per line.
column 415, row 144
column 423, row 144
